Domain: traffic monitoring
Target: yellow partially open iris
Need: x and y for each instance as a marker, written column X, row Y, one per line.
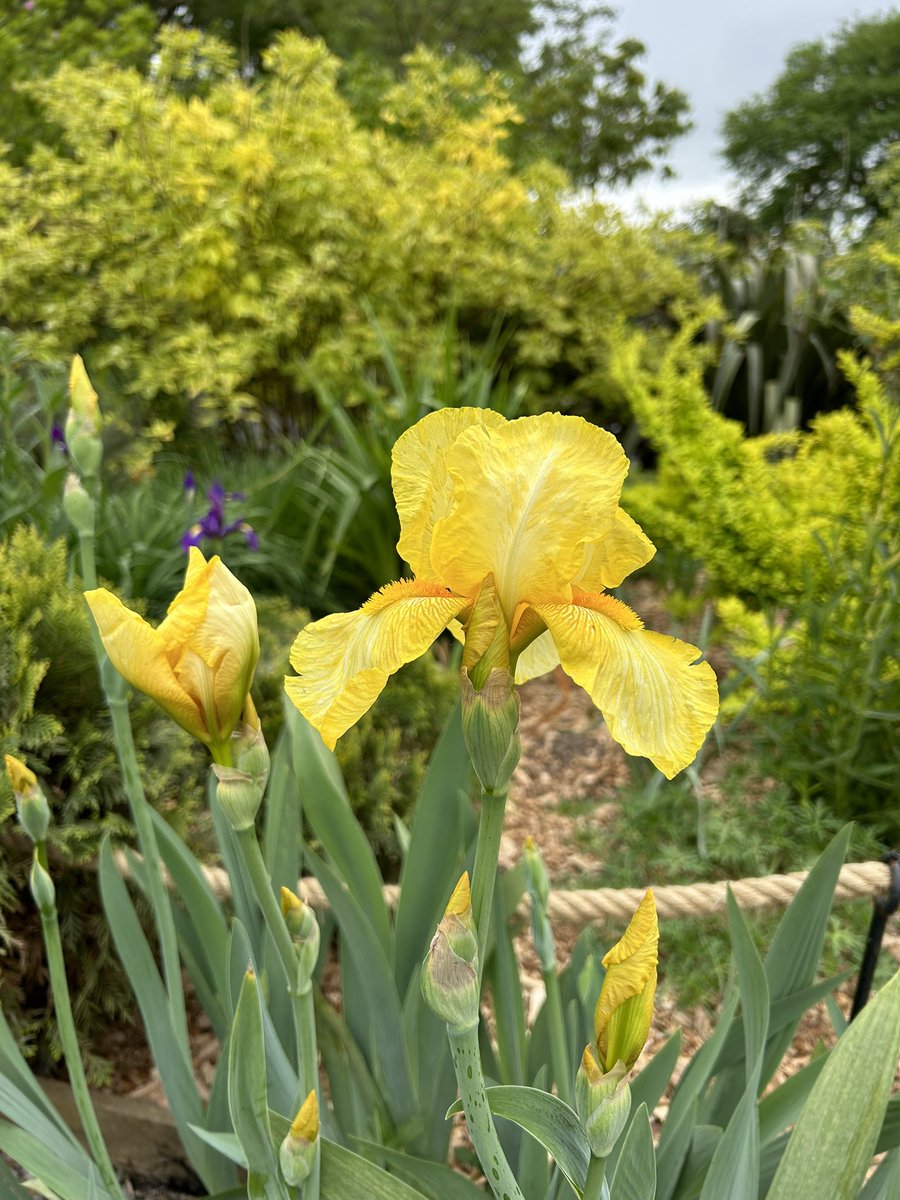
column 530, row 508
column 198, row 664
column 625, row 1007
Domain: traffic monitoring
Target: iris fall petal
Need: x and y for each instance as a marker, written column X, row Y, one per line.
column 344, row 660
column 658, row 701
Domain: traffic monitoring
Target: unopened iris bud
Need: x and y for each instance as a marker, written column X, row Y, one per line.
column 538, row 878
column 83, row 421
column 538, row 883
column 239, row 796
column 248, row 748
column 625, row 1007
column 42, row 888
column 32, row 808
column 450, row 971
column 304, row 930
column 77, row 505
column 297, row 1154
column 490, row 720
column 603, row 1102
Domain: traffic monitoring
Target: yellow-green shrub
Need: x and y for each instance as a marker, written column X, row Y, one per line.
column 798, row 535
column 754, row 511
column 216, row 246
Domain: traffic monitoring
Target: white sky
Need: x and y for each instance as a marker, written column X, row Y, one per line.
column 720, row 54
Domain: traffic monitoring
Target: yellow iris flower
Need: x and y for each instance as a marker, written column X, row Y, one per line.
column 625, row 1007
column 198, row 664
column 529, row 508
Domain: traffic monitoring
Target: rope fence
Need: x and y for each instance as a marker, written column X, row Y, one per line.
column 601, row 906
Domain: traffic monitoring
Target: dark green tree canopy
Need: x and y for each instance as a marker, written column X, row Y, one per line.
column 585, row 103
column 807, row 147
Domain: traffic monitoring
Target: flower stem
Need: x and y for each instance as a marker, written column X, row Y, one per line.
column 480, row 1120
column 62, row 1002
column 484, row 875
column 593, row 1188
column 159, row 896
column 140, row 812
column 299, row 990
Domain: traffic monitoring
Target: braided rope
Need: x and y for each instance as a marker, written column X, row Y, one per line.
column 610, row 905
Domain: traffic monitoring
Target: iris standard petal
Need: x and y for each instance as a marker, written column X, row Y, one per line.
column 537, row 659
column 343, row 661
column 606, row 563
column 422, row 486
column 140, row 654
column 658, row 701
column 527, row 496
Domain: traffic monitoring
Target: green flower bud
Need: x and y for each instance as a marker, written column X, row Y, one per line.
column 77, row 505
column 603, row 1102
column 83, row 421
column 42, row 888
column 538, row 883
column 490, row 720
column 250, row 752
column 304, row 930
column 450, row 971
column 32, row 808
column 297, row 1154
column 239, row 796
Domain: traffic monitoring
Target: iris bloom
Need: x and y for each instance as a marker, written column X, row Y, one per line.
column 526, row 511
column 199, row 663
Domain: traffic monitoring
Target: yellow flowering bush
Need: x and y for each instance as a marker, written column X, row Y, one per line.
column 217, row 246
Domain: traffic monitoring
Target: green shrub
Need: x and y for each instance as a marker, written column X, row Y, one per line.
column 797, row 535
column 215, row 247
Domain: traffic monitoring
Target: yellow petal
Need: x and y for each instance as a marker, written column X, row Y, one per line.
column 625, row 1007
column 140, row 655
column 422, row 487
column 527, row 496
column 537, row 659
column 658, row 701
column 343, row 661
column 82, row 396
column 22, row 778
column 306, row 1123
column 211, row 634
column 625, row 548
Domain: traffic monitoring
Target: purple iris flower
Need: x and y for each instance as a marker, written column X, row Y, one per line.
column 58, row 437
column 214, row 524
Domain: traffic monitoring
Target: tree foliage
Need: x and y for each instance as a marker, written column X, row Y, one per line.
column 36, row 37
column 808, row 146
column 584, row 101
column 217, row 249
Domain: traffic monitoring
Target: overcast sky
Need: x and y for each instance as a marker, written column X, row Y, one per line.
column 719, row 53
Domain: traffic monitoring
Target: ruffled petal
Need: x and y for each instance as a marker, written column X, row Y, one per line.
column 140, row 655
column 343, row 661
column 422, row 487
column 527, row 496
column 657, row 699
column 625, row 549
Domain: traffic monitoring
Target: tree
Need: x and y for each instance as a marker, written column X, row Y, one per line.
column 584, row 102
column 807, row 147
